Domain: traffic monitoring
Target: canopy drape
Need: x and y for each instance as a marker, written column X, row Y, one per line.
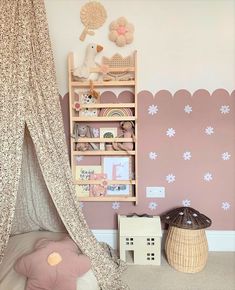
column 29, row 95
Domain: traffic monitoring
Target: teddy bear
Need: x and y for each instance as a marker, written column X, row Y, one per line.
column 127, row 132
column 53, row 265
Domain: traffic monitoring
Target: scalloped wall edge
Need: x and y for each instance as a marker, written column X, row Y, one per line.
column 175, row 94
column 188, row 93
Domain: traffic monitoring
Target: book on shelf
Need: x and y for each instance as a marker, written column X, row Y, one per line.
column 83, row 172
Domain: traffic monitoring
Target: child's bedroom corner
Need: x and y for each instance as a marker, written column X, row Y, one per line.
column 117, row 145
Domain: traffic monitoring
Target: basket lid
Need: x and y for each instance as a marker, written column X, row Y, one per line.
column 186, row 218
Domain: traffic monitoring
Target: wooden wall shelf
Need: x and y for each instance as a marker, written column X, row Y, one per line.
column 75, row 87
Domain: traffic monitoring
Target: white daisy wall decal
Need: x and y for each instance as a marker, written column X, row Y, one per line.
column 79, row 158
column 153, row 205
column 170, row 178
column 115, row 205
column 152, row 155
column 186, row 202
column 209, row 130
column 225, row 205
column 187, row 155
column 96, row 132
column 225, row 109
column 225, row 156
column 152, row 109
column 188, row 109
column 208, row 177
column 170, row 132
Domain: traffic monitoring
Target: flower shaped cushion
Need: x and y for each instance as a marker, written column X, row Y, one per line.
column 53, row 265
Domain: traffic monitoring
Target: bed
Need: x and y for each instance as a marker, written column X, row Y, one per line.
column 21, row 244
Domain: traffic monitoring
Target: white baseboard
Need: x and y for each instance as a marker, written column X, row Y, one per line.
column 218, row 241
column 108, row 236
column 221, row 241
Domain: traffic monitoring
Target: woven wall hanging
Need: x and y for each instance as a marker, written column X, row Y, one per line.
column 93, row 16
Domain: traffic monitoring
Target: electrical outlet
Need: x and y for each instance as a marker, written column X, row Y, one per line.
column 155, row 191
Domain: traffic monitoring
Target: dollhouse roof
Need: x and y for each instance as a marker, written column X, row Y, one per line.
column 139, row 226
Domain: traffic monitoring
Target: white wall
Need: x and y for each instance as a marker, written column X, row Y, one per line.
column 181, row 43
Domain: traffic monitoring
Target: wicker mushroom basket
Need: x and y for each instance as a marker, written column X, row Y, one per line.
column 186, row 244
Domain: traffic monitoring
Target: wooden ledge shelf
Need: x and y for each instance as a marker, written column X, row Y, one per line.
column 103, row 84
column 85, row 182
column 114, row 69
column 101, row 119
column 108, row 198
column 105, row 140
column 108, row 105
column 103, row 152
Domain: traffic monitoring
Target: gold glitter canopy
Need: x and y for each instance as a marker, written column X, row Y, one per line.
column 29, row 96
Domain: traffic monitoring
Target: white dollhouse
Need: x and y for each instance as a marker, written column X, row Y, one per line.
column 140, row 240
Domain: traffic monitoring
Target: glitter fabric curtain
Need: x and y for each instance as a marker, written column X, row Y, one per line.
column 29, row 96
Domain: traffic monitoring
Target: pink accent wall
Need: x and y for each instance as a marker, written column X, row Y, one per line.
column 186, row 144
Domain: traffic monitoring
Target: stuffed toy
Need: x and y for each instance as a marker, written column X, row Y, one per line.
column 127, row 132
column 53, row 265
column 83, row 131
column 84, row 73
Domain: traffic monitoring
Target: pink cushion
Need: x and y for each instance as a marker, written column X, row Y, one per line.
column 53, row 265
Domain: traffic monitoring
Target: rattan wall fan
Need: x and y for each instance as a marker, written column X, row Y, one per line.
column 93, row 16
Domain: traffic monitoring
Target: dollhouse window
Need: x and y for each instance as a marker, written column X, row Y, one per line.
column 150, row 241
column 129, row 241
column 151, row 256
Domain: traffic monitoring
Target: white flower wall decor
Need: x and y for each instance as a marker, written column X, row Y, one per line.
column 170, row 178
column 224, row 109
column 187, row 155
column 208, row 177
column 152, row 109
column 186, row 202
column 152, row 155
column 116, row 205
column 225, row 205
column 209, row 130
column 225, row 156
column 170, row 132
column 153, row 205
column 188, row 109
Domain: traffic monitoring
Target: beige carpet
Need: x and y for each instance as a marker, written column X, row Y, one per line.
column 219, row 274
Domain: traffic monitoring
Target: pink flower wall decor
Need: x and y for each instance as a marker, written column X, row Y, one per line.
column 121, row 32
